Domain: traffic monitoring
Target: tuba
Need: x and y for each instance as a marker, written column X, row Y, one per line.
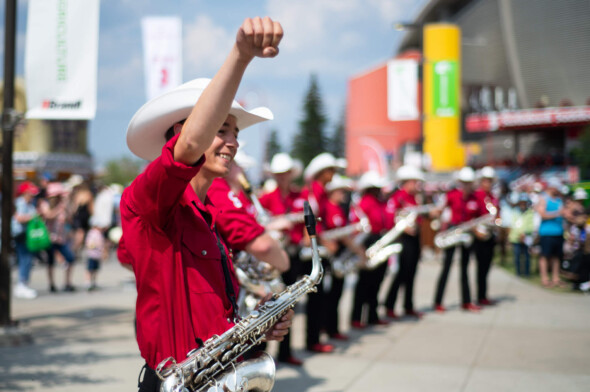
column 213, row 367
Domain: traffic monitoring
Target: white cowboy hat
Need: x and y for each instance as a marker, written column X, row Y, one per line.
column 321, row 162
column 146, row 130
column 466, row 174
column 339, row 182
column 281, row 163
column 487, row 172
column 409, row 172
column 370, row 179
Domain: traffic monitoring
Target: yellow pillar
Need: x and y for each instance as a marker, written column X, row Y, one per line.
column 442, row 87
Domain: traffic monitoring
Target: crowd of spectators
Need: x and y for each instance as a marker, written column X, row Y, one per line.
column 545, row 220
column 81, row 221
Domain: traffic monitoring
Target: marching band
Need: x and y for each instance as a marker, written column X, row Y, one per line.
column 367, row 228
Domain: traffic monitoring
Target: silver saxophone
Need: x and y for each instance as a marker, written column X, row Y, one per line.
column 384, row 247
column 262, row 215
column 347, row 261
column 257, row 278
column 214, row 368
column 462, row 233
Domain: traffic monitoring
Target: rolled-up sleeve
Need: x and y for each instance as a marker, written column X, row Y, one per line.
column 156, row 191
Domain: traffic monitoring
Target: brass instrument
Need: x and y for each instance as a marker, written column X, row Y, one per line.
column 257, row 279
column 381, row 250
column 263, row 216
column 213, row 367
column 347, row 261
column 384, row 247
column 462, row 233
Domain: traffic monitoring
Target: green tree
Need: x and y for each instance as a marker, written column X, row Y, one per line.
column 121, row 171
column 273, row 146
column 310, row 140
column 580, row 154
column 338, row 140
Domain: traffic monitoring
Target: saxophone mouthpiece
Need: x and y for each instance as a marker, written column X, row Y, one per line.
column 309, row 219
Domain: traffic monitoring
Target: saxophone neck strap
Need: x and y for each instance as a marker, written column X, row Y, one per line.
column 229, row 287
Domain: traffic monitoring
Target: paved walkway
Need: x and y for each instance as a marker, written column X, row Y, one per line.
column 533, row 340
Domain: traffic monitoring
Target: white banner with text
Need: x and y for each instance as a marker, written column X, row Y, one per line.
column 61, row 59
column 162, row 54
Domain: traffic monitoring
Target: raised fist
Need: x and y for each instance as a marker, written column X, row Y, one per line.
column 259, row 37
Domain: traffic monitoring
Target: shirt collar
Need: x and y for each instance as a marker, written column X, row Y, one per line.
column 190, row 198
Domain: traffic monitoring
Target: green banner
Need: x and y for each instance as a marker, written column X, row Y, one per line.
column 446, row 82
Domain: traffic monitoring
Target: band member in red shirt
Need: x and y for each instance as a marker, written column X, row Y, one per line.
column 318, row 173
column 463, row 207
column 186, row 285
column 369, row 280
column 237, row 222
column 337, row 219
column 286, row 199
column 483, row 246
column 403, row 198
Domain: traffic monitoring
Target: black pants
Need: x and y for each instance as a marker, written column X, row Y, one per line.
column 315, row 310
column 484, row 253
column 150, row 381
column 444, row 274
column 289, row 277
column 367, row 289
column 408, row 264
column 366, row 294
column 332, row 301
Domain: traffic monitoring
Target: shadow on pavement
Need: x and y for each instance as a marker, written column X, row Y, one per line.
column 64, row 341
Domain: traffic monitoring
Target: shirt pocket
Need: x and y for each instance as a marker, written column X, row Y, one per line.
column 202, row 260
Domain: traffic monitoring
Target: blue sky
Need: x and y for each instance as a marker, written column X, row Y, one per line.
column 333, row 39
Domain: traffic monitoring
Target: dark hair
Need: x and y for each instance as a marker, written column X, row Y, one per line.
column 170, row 132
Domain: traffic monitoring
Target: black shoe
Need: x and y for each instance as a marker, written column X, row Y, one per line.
column 52, row 288
column 69, row 289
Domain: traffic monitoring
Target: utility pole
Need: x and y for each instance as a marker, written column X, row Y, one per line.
column 9, row 120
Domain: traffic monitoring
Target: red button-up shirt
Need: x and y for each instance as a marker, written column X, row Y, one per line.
column 374, row 209
column 171, row 242
column 483, row 198
column 463, row 207
column 317, row 196
column 276, row 204
column 236, row 220
column 401, row 199
column 335, row 216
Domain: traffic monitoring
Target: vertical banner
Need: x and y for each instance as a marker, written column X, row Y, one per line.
column 442, row 123
column 162, row 54
column 61, row 57
column 402, row 90
column 445, row 99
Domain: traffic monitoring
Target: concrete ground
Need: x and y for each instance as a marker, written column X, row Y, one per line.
column 534, row 339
